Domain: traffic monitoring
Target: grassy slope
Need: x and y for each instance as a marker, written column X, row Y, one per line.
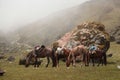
column 109, row 72
column 51, row 27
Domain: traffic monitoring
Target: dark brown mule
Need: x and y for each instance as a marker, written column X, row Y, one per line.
column 100, row 54
column 40, row 53
column 106, row 44
column 97, row 55
column 29, row 58
column 61, row 53
column 80, row 50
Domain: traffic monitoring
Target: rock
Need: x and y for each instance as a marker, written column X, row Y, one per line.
column 85, row 34
column 112, row 38
column 110, row 55
column 2, row 56
column 2, row 72
column 118, row 39
column 11, row 59
column 118, row 66
column 22, row 61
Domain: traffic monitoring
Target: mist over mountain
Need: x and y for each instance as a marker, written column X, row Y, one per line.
column 49, row 29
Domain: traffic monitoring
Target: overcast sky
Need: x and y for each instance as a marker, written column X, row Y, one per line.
column 16, row 13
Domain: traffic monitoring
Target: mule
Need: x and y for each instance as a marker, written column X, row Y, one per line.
column 80, row 50
column 106, row 45
column 61, row 53
column 37, row 54
column 98, row 56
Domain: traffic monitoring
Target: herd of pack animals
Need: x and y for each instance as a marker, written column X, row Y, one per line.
column 91, row 53
column 88, row 55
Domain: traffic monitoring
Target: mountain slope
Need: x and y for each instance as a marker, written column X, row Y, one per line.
column 54, row 26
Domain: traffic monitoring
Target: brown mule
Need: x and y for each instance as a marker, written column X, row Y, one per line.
column 80, row 50
column 61, row 53
column 40, row 53
column 97, row 55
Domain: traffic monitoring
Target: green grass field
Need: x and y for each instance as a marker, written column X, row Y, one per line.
column 109, row 72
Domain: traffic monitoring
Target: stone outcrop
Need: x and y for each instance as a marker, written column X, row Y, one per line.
column 86, row 34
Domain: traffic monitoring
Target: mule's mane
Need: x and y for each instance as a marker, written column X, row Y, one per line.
column 43, row 49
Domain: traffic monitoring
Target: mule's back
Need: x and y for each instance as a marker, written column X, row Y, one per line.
column 78, row 50
column 45, row 53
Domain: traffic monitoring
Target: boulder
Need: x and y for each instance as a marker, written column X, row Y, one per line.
column 118, row 39
column 2, row 56
column 2, row 72
column 22, row 61
column 11, row 59
column 112, row 38
column 85, row 34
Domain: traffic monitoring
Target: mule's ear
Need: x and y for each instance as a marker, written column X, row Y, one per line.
column 42, row 46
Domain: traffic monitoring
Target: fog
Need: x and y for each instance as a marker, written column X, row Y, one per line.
column 17, row 13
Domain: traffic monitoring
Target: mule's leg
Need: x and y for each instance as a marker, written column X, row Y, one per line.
column 68, row 61
column 93, row 61
column 105, row 58
column 48, row 61
column 27, row 62
column 35, row 63
column 85, row 59
column 99, row 61
column 53, row 62
column 88, row 59
column 38, row 62
column 53, row 58
column 102, row 60
column 73, row 59
column 58, row 61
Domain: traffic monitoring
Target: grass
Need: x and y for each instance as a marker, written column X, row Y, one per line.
column 109, row 72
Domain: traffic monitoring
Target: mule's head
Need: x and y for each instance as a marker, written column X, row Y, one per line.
column 27, row 59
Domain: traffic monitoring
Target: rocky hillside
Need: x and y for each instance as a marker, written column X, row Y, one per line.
column 4, row 44
column 115, row 34
column 55, row 25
